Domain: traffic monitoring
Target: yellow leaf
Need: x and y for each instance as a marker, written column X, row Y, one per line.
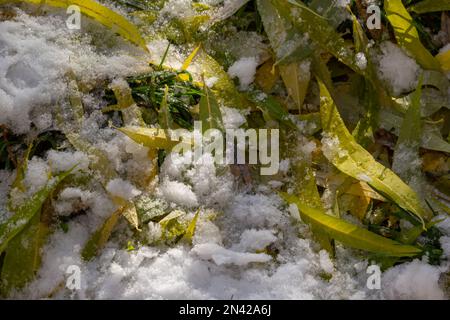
column 187, row 63
column 407, row 35
column 349, row 157
column 152, row 137
column 352, row 235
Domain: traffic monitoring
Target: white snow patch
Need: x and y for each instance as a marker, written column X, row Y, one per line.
column 398, row 69
column 221, row 256
column 412, row 280
column 123, row 189
column 178, row 193
column 244, row 69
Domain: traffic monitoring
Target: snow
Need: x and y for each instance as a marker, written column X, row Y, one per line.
column 179, row 193
column 361, row 60
column 399, row 70
column 37, row 175
column 255, row 240
column 36, row 52
column 244, row 69
column 123, row 189
column 61, row 161
column 222, row 256
column 412, row 280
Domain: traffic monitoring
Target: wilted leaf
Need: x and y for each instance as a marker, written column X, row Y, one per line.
column 165, row 118
column 296, row 77
column 271, row 108
column 307, row 193
column 406, row 154
column 267, row 75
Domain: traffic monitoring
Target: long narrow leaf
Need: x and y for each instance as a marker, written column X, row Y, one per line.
column 352, row 235
column 349, row 157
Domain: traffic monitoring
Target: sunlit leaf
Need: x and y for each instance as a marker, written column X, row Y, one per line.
column 352, row 235
column 350, row 158
column 152, row 137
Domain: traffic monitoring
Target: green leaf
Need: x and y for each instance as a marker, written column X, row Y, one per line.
column 407, row 35
column 343, row 152
column 406, row 161
column 271, row 108
column 25, row 213
column 165, row 118
column 23, row 256
column 427, row 6
column 210, row 113
column 351, row 235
